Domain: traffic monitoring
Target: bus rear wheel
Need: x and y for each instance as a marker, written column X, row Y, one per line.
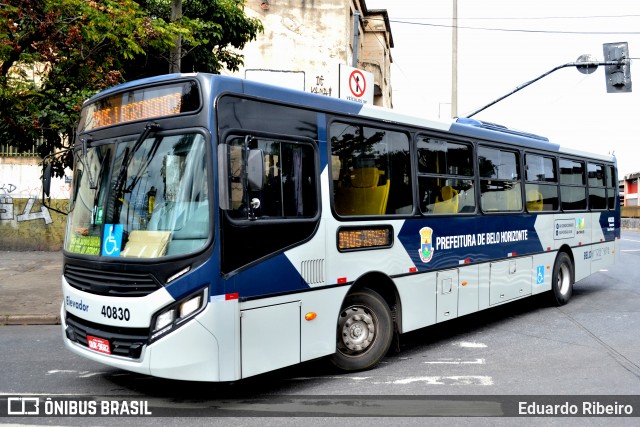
column 562, row 280
column 365, row 331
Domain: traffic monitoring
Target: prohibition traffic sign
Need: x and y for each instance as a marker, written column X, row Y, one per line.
column 357, row 83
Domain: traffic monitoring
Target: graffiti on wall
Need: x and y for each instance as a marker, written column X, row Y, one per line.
column 7, row 207
column 320, row 87
column 7, row 211
column 7, row 188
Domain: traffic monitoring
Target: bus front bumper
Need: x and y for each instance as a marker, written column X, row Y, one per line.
column 191, row 354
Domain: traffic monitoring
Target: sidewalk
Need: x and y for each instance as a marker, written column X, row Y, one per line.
column 30, row 288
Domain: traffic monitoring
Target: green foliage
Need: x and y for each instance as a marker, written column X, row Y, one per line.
column 212, row 31
column 54, row 54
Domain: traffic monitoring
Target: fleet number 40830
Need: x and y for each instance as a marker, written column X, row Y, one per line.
column 116, row 313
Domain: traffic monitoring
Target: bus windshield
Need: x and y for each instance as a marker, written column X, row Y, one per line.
column 144, row 202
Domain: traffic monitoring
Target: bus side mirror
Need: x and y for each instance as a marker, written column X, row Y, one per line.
column 47, row 177
column 47, row 174
column 255, row 169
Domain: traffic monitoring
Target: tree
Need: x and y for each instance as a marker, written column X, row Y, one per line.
column 212, row 32
column 56, row 53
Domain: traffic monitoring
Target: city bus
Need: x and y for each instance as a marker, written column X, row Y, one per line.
column 220, row 228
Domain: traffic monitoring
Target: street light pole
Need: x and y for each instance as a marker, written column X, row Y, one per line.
column 584, row 65
column 454, row 62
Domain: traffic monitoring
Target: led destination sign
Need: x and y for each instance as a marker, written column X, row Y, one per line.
column 364, row 238
column 140, row 104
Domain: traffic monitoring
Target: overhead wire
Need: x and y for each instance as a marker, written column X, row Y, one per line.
column 412, row 21
column 522, row 18
column 516, row 30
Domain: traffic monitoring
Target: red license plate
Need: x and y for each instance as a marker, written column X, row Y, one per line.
column 98, row 344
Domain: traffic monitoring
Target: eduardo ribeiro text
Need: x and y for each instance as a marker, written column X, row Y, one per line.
column 567, row 408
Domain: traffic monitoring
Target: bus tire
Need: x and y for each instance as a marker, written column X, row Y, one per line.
column 365, row 331
column 562, row 280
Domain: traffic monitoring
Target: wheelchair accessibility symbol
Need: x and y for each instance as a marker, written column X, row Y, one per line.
column 112, row 240
column 540, row 275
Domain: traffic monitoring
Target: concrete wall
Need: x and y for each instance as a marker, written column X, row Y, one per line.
column 630, row 223
column 305, row 41
column 298, row 35
column 25, row 224
column 309, row 38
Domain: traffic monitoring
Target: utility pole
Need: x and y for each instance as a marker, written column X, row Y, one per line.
column 176, row 53
column 454, row 62
column 356, row 30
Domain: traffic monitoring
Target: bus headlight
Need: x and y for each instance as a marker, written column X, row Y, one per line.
column 176, row 314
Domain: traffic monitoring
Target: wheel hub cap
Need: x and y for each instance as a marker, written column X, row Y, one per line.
column 358, row 329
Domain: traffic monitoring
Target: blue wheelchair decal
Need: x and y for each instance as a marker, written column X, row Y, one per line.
column 540, row 275
column 112, row 240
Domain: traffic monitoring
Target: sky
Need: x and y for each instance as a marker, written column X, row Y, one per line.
column 503, row 44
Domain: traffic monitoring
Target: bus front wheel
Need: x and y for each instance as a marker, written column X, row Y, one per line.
column 562, row 280
column 365, row 331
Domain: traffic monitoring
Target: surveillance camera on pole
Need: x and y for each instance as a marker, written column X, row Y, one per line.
column 618, row 74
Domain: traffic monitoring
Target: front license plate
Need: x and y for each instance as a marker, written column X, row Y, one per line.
column 98, row 344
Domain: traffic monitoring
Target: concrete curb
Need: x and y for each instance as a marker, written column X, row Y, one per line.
column 27, row 319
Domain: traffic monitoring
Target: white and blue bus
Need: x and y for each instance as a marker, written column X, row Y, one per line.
column 220, row 228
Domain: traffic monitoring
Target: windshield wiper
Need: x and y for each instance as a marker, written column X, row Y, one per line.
column 128, row 155
column 143, row 166
column 85, row 142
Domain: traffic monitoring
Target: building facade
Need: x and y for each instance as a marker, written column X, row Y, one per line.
column 305, row 42
column 629, row 190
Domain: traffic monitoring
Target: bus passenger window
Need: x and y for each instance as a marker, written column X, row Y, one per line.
column 500, row 188
column 572, row 185
column 371, row 171
column 442, row 168
column 612, row 187
column 541, row 189
column 450, row 196
column 597, row 183
column 289, row 186
column 541, row 197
